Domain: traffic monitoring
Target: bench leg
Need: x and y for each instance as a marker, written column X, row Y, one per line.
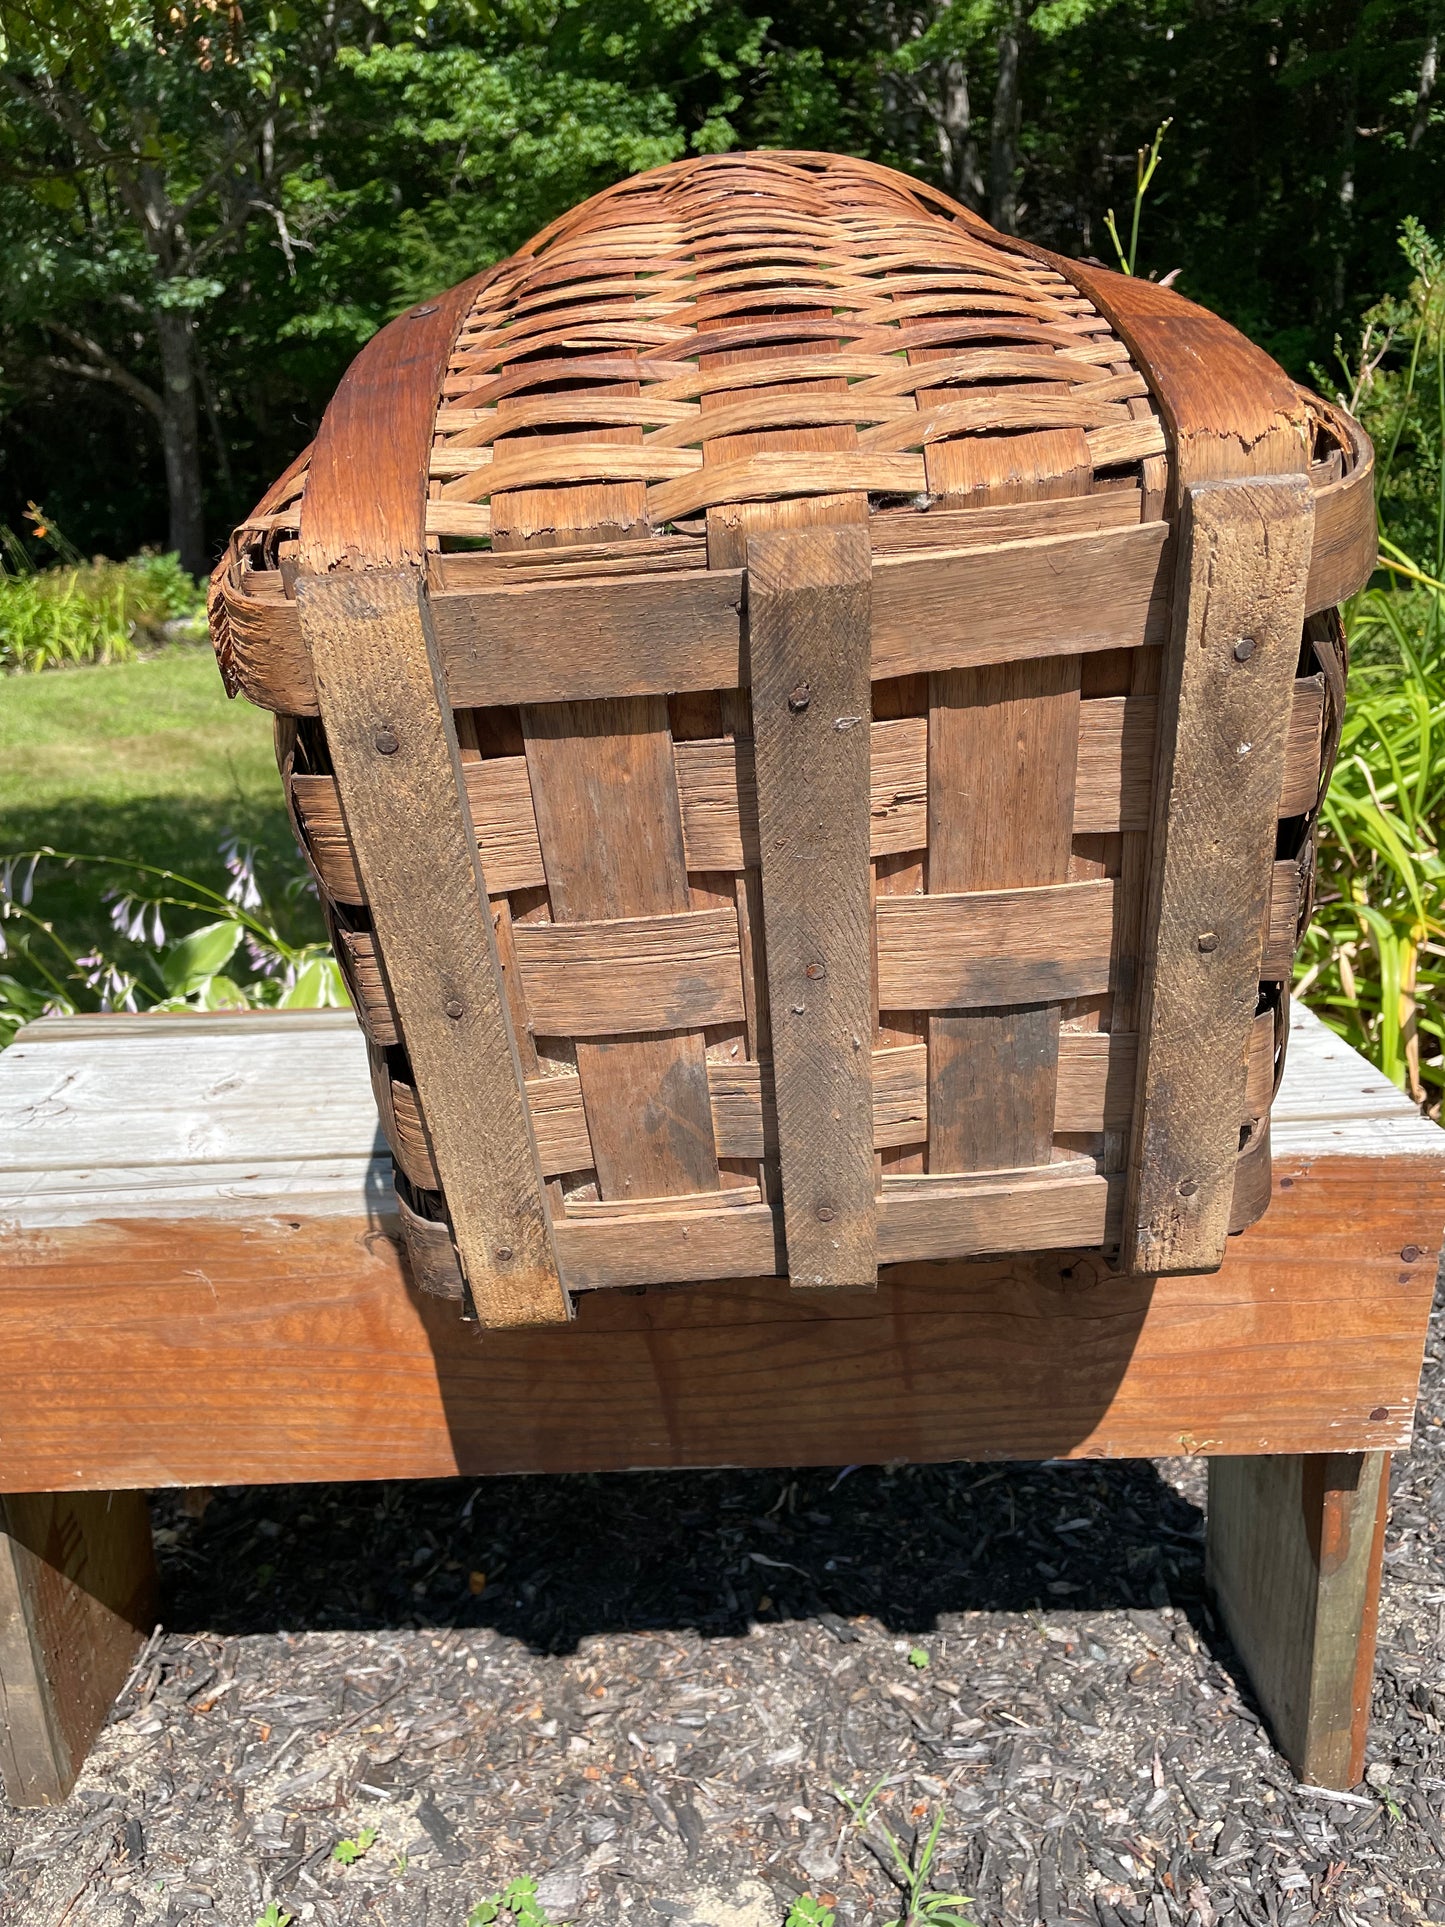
column 77, row 1597
column 1294, row 1552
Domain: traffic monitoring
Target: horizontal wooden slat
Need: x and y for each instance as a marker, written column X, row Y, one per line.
column 1064, row 594
column 1095, row 1093
column 1302, row 747
column 719, row 799
column 1045, row 1209
column 967, row 951
column 631, row 974
column 1345, row 533
column 1056, row 1207
column 927, row 946
column 1276, row 965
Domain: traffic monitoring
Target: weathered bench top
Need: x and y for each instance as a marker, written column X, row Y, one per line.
column 173, row 1116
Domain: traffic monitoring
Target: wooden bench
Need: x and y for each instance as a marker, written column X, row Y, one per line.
column 201, row 1286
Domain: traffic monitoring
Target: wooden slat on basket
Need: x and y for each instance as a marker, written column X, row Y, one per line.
column 391, row 740
column 678, row 972
column 808, row 593
column 605, row 794
column 1244, row 553
column 718, row 794
column 959, row 952
column 1002, row 753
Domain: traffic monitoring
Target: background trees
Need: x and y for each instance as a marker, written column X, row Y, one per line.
column 206, row 206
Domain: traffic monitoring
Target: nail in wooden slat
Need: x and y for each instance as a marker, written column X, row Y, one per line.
column 389, row 729
column 808, row 601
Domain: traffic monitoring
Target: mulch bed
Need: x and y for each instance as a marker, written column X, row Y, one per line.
column 644, row 1690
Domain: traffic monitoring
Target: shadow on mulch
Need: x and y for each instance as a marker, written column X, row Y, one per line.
column 554, row 1560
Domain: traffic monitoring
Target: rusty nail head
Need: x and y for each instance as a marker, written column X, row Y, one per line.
column 1380, row 1412
column 417, row 313
column 816, row 970
column 799, row 698
column 1188, row 1188
column 824, row 1214
column 454, row 1006
column 1410, row 1254
column 386, row 743
column 1244, row 649
column 504, row 1254
column 1208, row 940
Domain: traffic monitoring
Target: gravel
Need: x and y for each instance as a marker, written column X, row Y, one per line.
column 651, row 1692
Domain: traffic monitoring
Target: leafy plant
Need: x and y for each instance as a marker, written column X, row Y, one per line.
column 911, row 1871
column 275, row 1916
column 350, row 1851
column 1146, row 166
column 808, row 1912
column 78, row 611
column 146, row 968
column 519, row 1899
column 1373, row 960
column 918, row 1657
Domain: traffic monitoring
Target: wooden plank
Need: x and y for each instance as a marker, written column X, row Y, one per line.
column 1294, row 1555
column 604, row 790
column 626, row 975
column 133, row 1349
column 1002, row 744
column 808, row 613
column 718, row 793
column 1346, row 537
column 1244, row 549
column 77, row 1597
column 1095, row 1093
column 389, row 731
column 1056, row 595
column 1044, row 1208
column 958, row 952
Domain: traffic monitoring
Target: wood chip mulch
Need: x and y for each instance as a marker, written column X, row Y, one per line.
column 647, row 1692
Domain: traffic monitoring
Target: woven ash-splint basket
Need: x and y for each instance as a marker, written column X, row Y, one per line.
column 807, row 716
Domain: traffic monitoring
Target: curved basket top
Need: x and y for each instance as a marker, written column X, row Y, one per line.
column 767, row 336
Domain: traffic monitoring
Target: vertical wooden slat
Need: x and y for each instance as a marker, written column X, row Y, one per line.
column 1224, row 706
column 604, row 789
column 394, row 748
column 1002, row 749
column 808, row 617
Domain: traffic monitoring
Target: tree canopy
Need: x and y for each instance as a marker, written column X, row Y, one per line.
column 207, row 206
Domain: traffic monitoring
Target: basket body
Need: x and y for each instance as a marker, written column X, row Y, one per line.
column 807, row 718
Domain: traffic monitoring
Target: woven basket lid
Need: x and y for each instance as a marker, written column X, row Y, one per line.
column 758, row 340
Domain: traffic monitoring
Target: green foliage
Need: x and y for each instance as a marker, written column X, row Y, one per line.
column 1148, row 164
column 275, row 1916
column 1373, row 961
column 918, row 1656
column 348, row 1852
column 144, row 967
column 518, row 1900
column 807, row 1912
column 912, row 1870
column 85, row 612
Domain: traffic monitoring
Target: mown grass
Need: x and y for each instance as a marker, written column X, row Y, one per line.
column 143, row 760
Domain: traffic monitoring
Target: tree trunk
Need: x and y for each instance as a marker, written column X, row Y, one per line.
column 1004, row 133
column 958, row 149
column 1429, row 63
column 181, row 438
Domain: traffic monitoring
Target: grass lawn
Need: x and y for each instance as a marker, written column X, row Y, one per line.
column 145, row 760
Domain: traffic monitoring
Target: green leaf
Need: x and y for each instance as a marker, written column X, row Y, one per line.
column 918, row 1657
column 189, row 962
